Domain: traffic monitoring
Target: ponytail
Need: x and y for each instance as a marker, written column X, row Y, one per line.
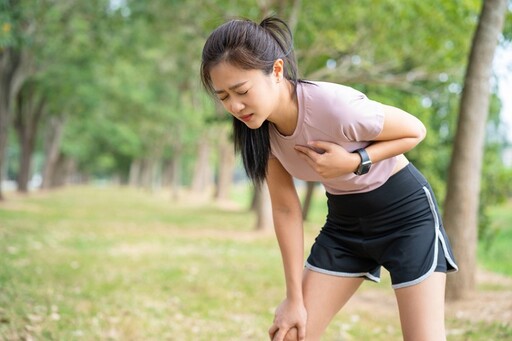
column 250, row 46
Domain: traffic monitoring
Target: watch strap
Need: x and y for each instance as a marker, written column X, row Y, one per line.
column 364, row 166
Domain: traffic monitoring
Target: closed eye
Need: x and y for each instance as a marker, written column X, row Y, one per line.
column 238, row 93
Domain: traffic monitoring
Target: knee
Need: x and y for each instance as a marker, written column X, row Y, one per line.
column 292, row 335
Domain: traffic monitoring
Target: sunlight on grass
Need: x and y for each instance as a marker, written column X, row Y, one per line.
column 498, row 255
column 119, row 264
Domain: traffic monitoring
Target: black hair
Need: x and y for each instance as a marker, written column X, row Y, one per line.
column 250, row 46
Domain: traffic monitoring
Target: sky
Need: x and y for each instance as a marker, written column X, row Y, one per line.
column 503, row 70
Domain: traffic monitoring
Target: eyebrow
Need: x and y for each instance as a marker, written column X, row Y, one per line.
column 231, row 87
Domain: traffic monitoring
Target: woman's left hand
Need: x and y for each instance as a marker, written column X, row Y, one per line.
column 328, row 159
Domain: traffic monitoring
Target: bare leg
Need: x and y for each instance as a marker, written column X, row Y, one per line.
column 421, row 309
column 324, row 296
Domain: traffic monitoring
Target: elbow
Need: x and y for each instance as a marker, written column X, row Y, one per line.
column 286, row 213
column 422, row 132
column 419, row 131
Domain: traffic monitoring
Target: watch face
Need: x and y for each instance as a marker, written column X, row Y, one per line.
column 364, row 169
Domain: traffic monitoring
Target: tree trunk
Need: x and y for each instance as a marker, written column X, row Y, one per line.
column 14, row 69
column 462, row 198
column 310, row 190
column 263, row 208
column 146, row 174
column 62, row 171
column 135, row 169
column 53, row 138
column 202, row 178
column 29, row 110
column 226, row 167
column 176, row 166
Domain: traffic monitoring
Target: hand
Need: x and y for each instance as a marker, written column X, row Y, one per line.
column 328, row 159
column 290, row 317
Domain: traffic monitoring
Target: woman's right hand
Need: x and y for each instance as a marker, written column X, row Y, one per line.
column 290, row 314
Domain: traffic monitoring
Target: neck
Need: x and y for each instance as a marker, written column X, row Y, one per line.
column 287, row 112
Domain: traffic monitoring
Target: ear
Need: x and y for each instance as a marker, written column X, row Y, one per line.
column 278, row 69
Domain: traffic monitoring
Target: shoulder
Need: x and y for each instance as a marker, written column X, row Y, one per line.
column 331, row 91
column 332, row 98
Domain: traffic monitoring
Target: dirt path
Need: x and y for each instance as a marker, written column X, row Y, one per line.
column 487, row 305
column 493, row 305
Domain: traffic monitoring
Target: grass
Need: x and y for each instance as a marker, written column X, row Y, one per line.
column 497, row 255
column 89, row 263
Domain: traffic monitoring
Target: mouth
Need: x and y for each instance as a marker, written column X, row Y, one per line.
column 246, row 118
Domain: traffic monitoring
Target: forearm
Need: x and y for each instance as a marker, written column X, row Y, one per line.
column 401, row 133
column 381, row 150
column 290, row 236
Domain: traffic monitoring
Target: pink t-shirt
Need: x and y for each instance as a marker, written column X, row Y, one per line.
column 339, row 114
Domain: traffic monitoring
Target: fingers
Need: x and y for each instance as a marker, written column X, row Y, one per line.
column 279, row 335
column 272, row 331
column 307, row 151
column 301, row 333
column 292, row 335
column 321, row 146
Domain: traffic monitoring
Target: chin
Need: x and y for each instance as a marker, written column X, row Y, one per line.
column 254, row 125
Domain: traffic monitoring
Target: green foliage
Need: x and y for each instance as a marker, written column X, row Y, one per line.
column 507, row 30
column 494, row 249
column 125, row 74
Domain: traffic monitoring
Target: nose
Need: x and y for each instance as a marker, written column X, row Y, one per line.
column 236, row 107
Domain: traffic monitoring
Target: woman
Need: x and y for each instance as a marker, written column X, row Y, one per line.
column 381, row 210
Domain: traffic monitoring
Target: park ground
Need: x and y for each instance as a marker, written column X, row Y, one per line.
column 111, row 263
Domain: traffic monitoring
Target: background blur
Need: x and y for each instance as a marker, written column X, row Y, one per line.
column 106, row 94
column 109, row 90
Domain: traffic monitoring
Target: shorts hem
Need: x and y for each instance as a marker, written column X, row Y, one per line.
column 438, row 238
column 439, row 234
column 367, row 275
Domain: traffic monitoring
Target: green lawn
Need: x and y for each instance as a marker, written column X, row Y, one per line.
column 497, row 256
column 89, row 263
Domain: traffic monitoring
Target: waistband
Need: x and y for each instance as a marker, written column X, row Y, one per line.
column 398, row 187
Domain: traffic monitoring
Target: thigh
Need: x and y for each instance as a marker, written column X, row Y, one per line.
column 421, row 309
column 324, row 296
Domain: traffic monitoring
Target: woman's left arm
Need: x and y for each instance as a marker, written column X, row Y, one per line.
column 401, row 132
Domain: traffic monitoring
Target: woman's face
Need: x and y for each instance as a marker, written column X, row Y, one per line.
column 249, row 95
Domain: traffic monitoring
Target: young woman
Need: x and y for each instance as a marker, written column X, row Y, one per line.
column 381, row 210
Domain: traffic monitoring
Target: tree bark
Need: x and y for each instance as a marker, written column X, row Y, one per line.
column 14, row 69
column 263, row 208
column 29, row 110
column 226, row 167
column 53, row 138
column 462, row 198
column 63, row 169
column 202, row 178
column 176, row 166
column 310, row 190
column 135, row 170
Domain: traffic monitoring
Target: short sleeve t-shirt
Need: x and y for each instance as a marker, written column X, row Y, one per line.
column 338, row 114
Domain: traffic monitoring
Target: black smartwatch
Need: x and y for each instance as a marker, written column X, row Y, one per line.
column 366, row 163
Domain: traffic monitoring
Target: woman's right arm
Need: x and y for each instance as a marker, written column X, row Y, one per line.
column 287, row 214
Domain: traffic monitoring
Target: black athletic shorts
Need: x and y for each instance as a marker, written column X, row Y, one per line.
column 396, row 226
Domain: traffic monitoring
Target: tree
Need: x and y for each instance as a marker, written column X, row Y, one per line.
column 15, row 67
column 29, row 110
column 462, row 199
